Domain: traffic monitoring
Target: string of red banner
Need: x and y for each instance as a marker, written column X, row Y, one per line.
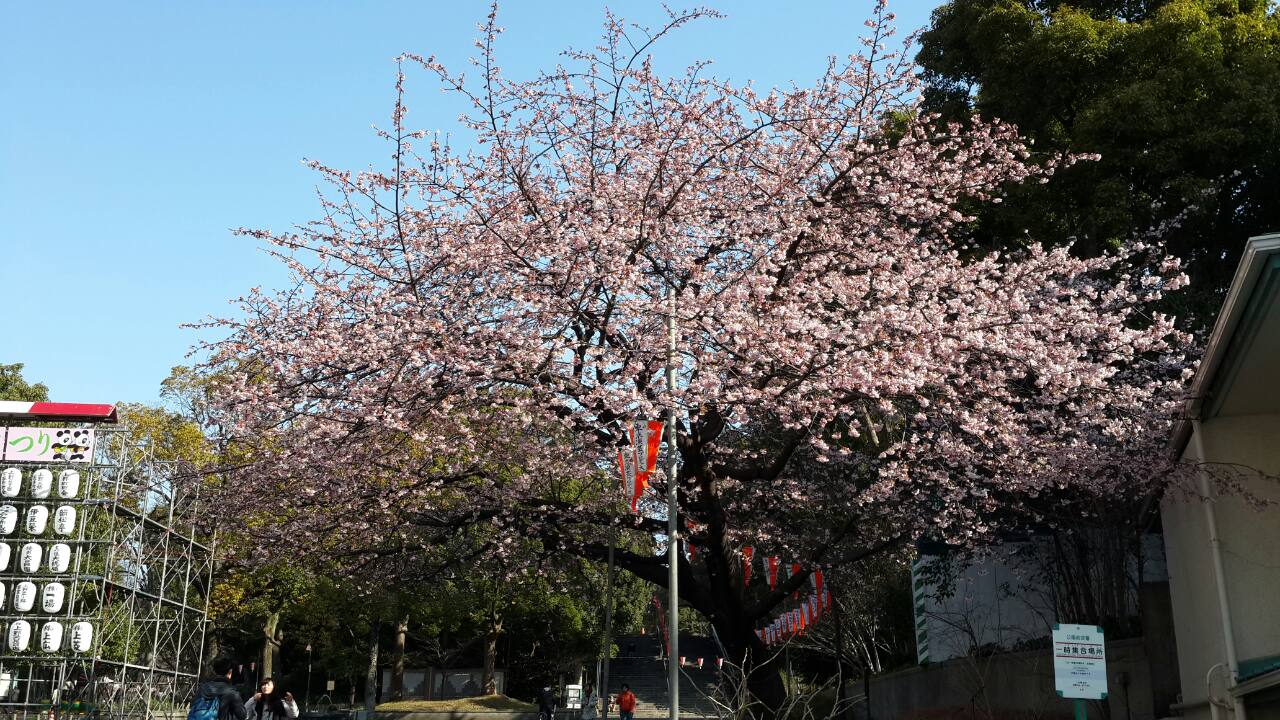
column 638, row 461
column 799, row 619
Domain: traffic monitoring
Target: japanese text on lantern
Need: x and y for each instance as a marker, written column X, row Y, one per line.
column 45, row 444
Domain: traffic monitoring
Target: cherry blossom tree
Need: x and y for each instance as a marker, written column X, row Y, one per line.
column 470, row 333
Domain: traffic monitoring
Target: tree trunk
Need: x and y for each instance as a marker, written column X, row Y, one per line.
column 397, row 669
column 761, row 667
column 371, row 673
column 488, row 682
column 272, row 636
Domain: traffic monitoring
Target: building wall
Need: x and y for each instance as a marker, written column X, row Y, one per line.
column 1006, row 686
column 1250, row 541
column 999, row 600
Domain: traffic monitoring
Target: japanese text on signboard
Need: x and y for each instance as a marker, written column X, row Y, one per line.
column 46, row 445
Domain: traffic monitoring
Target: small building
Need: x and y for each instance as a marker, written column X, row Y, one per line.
column 443, row 683
column 1223, row 549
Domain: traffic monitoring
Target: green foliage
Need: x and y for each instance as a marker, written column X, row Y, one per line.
column 14, row 387
column 1180, row 97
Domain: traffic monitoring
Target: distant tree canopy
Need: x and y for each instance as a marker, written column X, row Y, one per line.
column 14, row 387
column 1181, row 98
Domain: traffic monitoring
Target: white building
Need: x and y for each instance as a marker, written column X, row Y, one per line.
column 1224, row 554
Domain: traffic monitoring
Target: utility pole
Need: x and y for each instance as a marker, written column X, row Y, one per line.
column 608, row 626
column 673, row 528
column 306, row 699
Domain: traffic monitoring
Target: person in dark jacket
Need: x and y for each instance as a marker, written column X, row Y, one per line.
column 546, row 704
column 230, row 706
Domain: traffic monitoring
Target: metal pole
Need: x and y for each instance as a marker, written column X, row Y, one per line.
column 841, row 710
column 306, row 699
column 673, row 534
column 608, row 628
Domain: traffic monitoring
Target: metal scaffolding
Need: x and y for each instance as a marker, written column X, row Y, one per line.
column 139, row 574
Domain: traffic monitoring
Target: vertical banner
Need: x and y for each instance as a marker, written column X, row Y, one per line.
column 639, row 460
column 773, row 572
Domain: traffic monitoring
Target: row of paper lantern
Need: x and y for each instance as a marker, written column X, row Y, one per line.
column 24, row 596
column 50, row 636
column 41, row 483
column 64, row 519
column 31, row 554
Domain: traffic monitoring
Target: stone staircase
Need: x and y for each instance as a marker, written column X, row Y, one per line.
column 640, row 664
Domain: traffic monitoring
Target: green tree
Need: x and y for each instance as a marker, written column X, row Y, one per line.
column 14, row 387
column 1181, row 98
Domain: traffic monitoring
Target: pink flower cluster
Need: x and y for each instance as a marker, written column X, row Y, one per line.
column 469, row 332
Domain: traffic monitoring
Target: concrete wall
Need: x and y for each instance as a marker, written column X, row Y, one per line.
column 1250, row 541
column 995, row 601
column 999, row 598
column 1009, row 685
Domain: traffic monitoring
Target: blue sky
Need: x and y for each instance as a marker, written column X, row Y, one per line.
column 134, row 136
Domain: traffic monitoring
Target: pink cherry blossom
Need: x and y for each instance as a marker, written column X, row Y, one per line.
column 468, row 331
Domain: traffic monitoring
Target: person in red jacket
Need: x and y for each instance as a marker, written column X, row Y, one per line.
column 626, row 703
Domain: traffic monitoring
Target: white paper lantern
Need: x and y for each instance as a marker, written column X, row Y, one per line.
column 81, row 636
column 41, row 483
column 37, row 519
column 19, row 635
column 64, row 520
column 10, row 482
column 8, row 519
column 5, row 552
column 29, row 558
column 51, row 637
column 52, row 596
column 24, row 596
column 1, row 595
column 68, row 483
column 59, row 558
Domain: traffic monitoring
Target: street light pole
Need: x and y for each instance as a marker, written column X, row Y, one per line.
column 673, row 528
column 306, row 699
column 608, row 625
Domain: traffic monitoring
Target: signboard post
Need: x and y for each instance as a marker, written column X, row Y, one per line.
column 1080, row 664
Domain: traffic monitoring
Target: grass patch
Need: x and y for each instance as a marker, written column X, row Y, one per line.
column 487, row 703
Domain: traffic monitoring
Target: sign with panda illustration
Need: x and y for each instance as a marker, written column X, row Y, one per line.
column 37, row 519
column 47, row 444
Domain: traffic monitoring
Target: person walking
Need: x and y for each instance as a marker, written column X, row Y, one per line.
column 546, row 704
column 217, row 699
column 590, row 703
column 268, row 704
column 626, row 703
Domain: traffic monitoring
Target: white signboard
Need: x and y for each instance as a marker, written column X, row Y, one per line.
column 1079, row 662
column 47, row 445
column 573, row 697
